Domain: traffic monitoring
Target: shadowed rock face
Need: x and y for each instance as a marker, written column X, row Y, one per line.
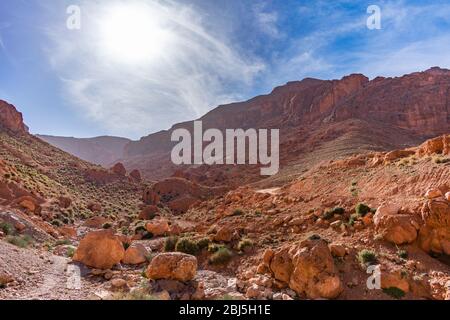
column 394, row 112
column 11, row 119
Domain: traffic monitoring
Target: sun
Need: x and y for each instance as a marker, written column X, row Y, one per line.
column 132, row 34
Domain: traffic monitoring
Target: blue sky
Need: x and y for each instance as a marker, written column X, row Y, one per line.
column 139, row 66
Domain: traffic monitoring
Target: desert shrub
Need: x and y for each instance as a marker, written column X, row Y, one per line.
column 107, row 225
column 20, row 241
column 367, row 257
column 245, row 244
column 214, row 247
column 221, row 256
column 187, row 245
column 7, row 228
column 238, row 212
column 362, row 209
column 353, row 219
column 402, row 254
column 394, row 292
column 203, row 243
column 315, row 237
column 147, row 235
column 170, row 243
column 63, row 242
column 71, row 252
column 56, row 223
column 331, row 213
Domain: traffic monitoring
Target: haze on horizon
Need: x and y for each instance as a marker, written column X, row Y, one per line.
column 137, row 67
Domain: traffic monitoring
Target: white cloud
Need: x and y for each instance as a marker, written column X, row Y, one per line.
column 267, row 21
column 194, row 72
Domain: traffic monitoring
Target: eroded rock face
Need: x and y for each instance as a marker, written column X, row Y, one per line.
column 100, row 250
column 308, row 269
column 173, row 266
column 439, row 145
column 434, row 236
column 11, row 119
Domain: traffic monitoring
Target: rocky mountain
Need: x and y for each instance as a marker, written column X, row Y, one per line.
column 363, row 192
column 104, row 150
column 322, row 120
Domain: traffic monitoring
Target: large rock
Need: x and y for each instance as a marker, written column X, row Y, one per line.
column 173, row 266
column 100, row 250
column 136, row 175
column 398, row 229
column 158, row 227
column 434, row 235
column 308, row 269
column 135, row 254
column 395, row 226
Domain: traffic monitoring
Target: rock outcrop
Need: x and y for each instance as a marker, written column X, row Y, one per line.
column 172, row 266
column 434, row 236
column 11, row 119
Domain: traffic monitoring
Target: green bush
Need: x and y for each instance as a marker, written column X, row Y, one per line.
column 245, row 244
column 402, row 254
column 187, row 246
column 170, row 243
column 7, row 228
column 20, row 241
column 221, row 256
column 56, row 223
column 203, row 243
column 107, row 226
column 394, row 292
column 238, row 212
column 367, row 257
column 362, row 209
column 331, row 213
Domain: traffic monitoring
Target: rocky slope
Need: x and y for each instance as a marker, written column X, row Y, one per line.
column 104, row 151
column 322, row 119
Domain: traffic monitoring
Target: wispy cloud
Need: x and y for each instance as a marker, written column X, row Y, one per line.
column 267, row 21
column 197, row 70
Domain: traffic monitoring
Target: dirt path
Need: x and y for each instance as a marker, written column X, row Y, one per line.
column 41, row 276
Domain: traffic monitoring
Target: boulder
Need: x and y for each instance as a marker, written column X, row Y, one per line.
column 172, row 266
column 398, row 229
column 94, row 207
column 100, row 250
column 394, row 279
column 135, row 175
column 158, row 227
column 433, row 194
column 135, row 254
column 338, row 250
column 308, row 269
column 434, row 235
column 314, row 272
column 224, row 234
column 95, row 222
column 119, row 169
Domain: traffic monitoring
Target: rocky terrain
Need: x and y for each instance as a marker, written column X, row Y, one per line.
column 363, row 197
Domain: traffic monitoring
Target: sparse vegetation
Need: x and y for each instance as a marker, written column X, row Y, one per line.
column 362, row 209
column 331, row 213
column 402, row 254
column 394, row 292
column 20, row 241
column 222, row 256
column 170, row 243
column 367, row 257
column 187, row 245
column 203, row 243
column 245, row 244
column 7, row 228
